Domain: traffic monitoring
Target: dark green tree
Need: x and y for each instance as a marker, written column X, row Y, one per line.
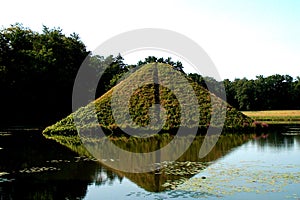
column 39, row 70
column 150, row 59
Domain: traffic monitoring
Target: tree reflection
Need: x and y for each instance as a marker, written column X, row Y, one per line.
column 25, row 155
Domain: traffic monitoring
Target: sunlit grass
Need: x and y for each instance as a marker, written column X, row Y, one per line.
column 275, row 116
column 140, row 102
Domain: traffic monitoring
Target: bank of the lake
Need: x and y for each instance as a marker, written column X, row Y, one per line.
column 275, row 116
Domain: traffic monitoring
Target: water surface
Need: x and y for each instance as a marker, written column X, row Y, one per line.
column 239, row 167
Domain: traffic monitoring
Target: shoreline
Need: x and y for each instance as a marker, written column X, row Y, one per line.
column 275, row 116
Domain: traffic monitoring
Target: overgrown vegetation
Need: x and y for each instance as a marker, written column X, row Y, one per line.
column 141, row 102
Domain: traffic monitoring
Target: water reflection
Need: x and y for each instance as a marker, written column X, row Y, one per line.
column 266, row 167
column 36, row 168
column 276, row 140
column 43, row 169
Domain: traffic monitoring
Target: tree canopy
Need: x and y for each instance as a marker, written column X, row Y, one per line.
column 38, row 69
column 275, row 92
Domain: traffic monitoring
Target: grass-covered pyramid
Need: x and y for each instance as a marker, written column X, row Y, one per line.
column 141, row 100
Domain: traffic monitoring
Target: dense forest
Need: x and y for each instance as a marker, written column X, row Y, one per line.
column 38, row 69
column 276, row 92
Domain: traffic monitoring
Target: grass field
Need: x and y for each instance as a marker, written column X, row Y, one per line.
column 275, row 116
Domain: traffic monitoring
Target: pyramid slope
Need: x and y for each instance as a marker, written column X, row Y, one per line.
column 142, row 99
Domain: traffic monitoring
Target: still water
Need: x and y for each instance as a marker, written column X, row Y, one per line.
column 239, row 167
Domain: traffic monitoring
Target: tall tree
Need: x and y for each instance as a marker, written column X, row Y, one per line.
column 39, row 71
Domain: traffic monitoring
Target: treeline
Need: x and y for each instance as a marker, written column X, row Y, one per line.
column 38, row 69
column 276, row 92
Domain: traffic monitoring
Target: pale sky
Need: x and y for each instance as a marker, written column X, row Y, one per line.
column 243, row 38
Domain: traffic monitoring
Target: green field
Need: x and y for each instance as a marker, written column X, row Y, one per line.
column 275, row 116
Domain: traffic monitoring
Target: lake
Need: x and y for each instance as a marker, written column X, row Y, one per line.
column 244, row 166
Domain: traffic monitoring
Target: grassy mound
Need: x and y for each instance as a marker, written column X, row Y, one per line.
column 139, row 110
